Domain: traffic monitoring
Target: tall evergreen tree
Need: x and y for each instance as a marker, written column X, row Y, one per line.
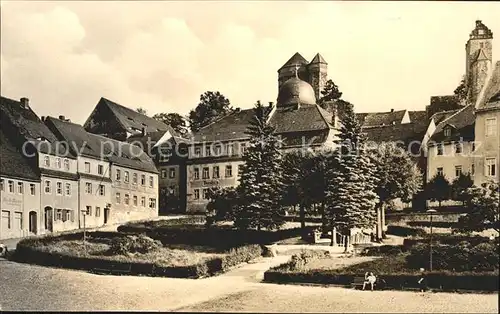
column 261, row 183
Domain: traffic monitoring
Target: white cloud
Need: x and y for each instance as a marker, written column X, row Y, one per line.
column 163, row 55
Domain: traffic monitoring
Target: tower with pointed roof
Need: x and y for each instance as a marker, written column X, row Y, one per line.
column 318, row 71
column 478, row 59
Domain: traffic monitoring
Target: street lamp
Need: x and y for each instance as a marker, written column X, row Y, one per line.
column 431, row 212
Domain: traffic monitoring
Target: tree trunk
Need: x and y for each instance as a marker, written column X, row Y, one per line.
column 382, row 216
column 303, row 220
column 439, row 202
column 378, row 227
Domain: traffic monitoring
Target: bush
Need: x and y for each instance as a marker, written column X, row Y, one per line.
column 131, row 244
column 435, row 224
column 383, row 250
column 448, row 239
column 300, row 260
column 459, row 257
column 405, row 231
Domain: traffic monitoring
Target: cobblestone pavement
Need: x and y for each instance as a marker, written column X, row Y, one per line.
column 34, row 288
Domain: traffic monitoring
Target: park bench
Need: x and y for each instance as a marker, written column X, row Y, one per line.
column 114, row 269
column 357, row 281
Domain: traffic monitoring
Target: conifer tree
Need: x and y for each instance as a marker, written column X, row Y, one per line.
column 261, row 184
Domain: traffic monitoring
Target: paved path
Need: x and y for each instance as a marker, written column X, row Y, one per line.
column 35, row 288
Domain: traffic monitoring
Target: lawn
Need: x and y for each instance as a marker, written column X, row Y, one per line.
column 170, row 255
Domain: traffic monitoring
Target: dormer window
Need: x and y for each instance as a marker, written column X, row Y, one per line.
column 447, row 132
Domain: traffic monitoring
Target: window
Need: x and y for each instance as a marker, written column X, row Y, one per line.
column 58, row 163
column 143, row 201
column 6, row 219
column 152, row 203
column 196, row 194
column 100, row 169
column 20, row 187
column 46, row 161
column 143, row 179
column 118, row 198
column 229, row 149
column 440, row 149
column 171, row 173
column 243, row 148
column 458, row 171
column 240, row 170
column 1, row 184
column 66, row 164
column 59, row 188
column 472, row 169
column 447, row 132
column 67, row 215
column 458, row 148
column 217, row 150
column 68, row 189
column 102, row 190
column 491, row 127
column 151, row 181
column 87, row 167
column 98, row 211
column 18, row 220
column 59, row 214
column 126, row 178
column 47, row 186
column 208, row 150
column 205, row 194
column 197, row 152
column 32, row 189
column 11, row 186
column 440, row 171
column 491, row 167
column 215, row 172
column 196, row 173
column 127, row 199
column 118, row 174
column 134, row 178
column 205, row 174
column 229, row 171
column 89, row 210
column 88, row 188
column 163, row 173
column 134, row 200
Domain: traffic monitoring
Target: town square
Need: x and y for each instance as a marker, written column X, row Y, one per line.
column 250, row 156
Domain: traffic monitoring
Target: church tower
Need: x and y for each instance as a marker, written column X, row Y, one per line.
column 318, row 72
column 478, row 60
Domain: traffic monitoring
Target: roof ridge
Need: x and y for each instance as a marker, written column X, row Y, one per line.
column 322, row 114
column 453, row 115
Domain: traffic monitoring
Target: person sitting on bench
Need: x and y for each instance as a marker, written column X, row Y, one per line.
column 369, row 279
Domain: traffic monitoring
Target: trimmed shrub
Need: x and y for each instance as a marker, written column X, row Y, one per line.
column 133, row 244
column 435, row 224
column 448, row 239
column 403, row 231
column 300, row 260
column 383, row 250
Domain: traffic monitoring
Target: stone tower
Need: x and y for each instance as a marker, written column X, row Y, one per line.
column 318, row 70
column 478, row 60
column 314, row 73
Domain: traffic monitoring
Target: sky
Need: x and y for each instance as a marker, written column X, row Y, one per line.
column 161, row 55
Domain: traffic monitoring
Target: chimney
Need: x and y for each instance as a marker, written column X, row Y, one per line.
column 42, row 118
column 144, row 131
column 63, row 118
column 25, row 103
column 392, row 110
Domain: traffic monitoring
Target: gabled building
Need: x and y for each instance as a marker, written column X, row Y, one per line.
column 115, row 121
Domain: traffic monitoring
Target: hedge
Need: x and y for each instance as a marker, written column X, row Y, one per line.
column 219, row 237
column 27, row 252
column 487, row 281
column 435, row 224
column 383, row 250
column 404, row 231
column 449, row 239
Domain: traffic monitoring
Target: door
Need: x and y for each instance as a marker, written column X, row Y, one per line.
column 33, row 222
column 49, row 219
column 106, row 215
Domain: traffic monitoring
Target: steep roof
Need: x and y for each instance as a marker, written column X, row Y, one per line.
column 490, row 95
column 13, row 163
column 305, row 118
column 230, row 127
column 318, row 59
column 442, row 115
column 416, row 116
column 462, row 123
column 100, row 147
column 297, row 58
column 373, row 119
column 132, row 120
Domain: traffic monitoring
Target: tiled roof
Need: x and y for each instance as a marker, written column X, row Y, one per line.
column 406, row 133
column 295, row 59
column 230, row 127
column 462, row 123
column 373, row 119
column 442, row 115
column 100, row 147
column 306, row 118
column 418, row 116
column 318, row 59
column 13, row 163
column 490, row 95
column 132, row 120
